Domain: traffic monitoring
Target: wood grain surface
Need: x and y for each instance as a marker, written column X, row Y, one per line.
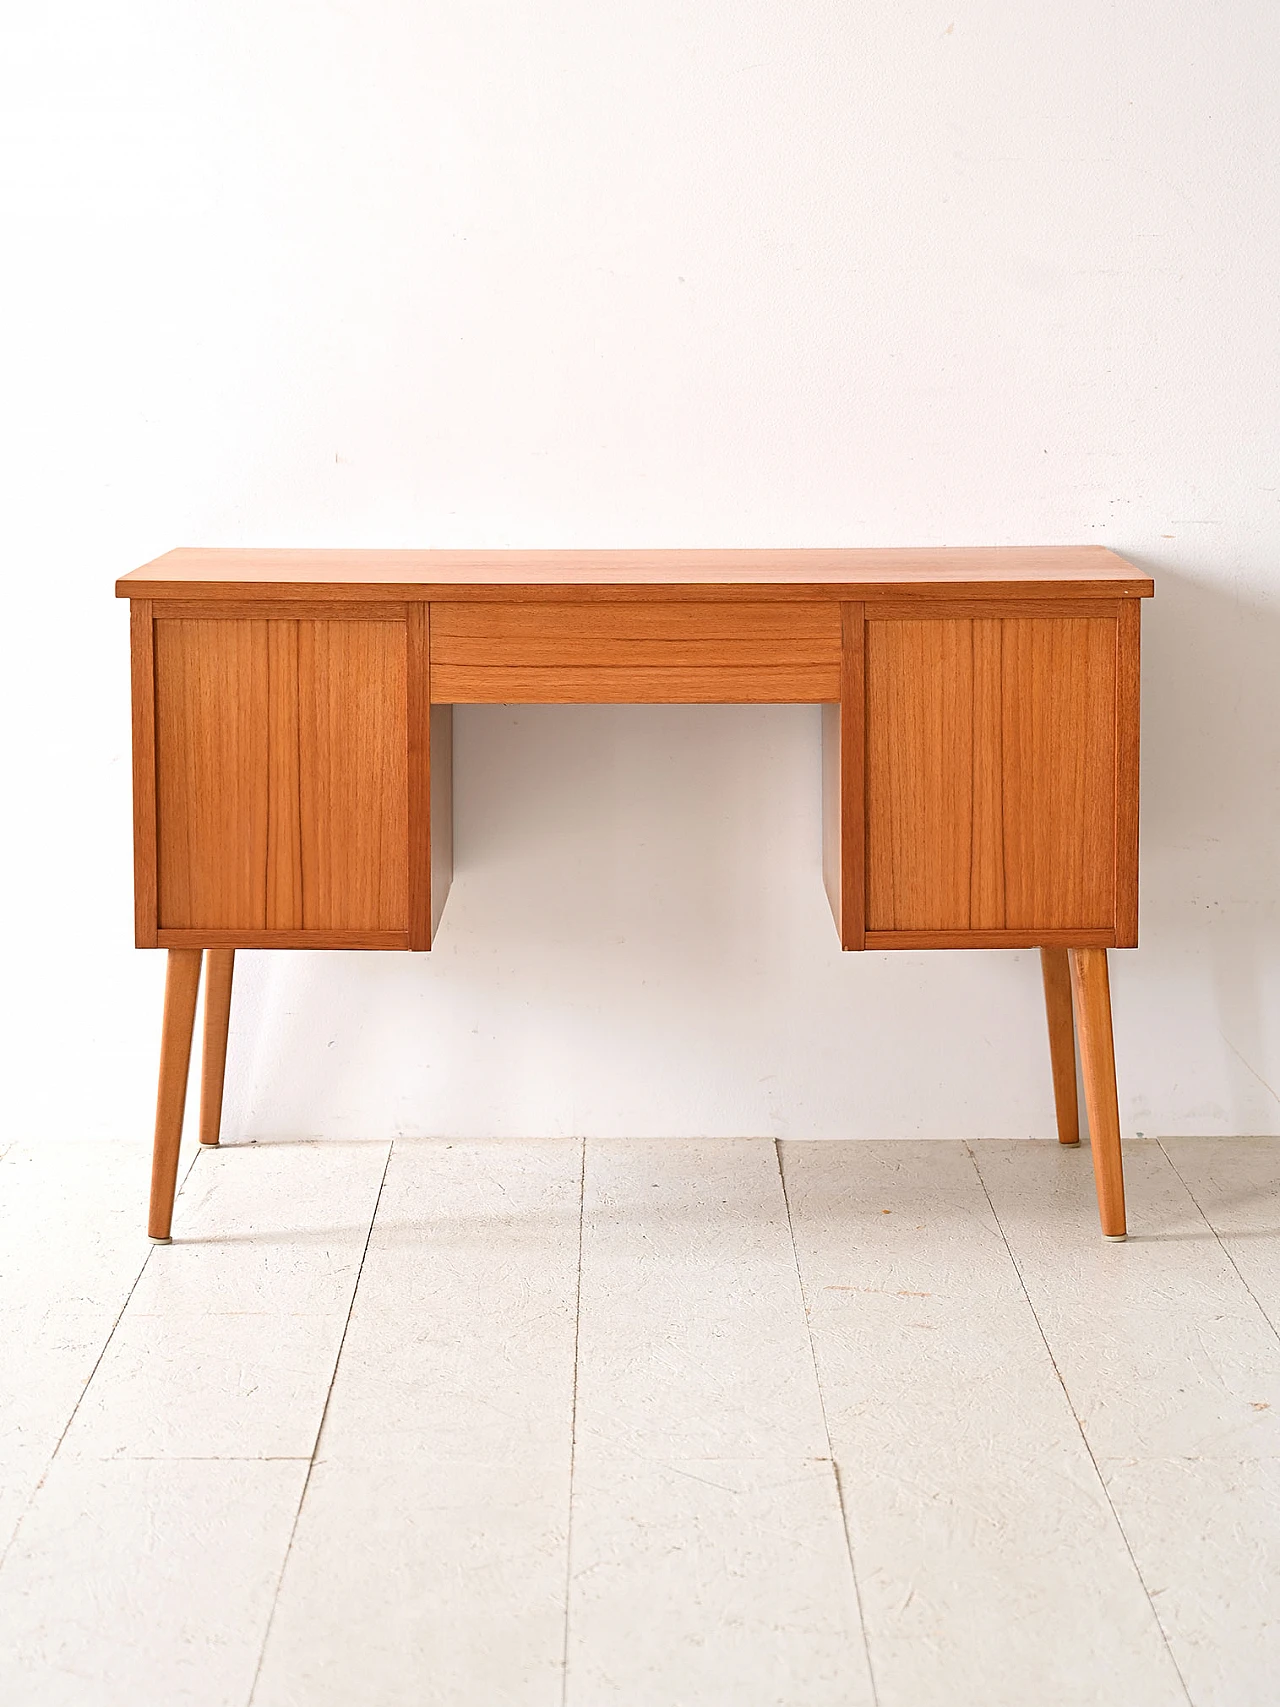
column 281, row 777
column 991, row 775
column 1059, row 736
column 213, row 741
column 606, row 653
column 353, row 795
column 284, row 818
column 937, row 572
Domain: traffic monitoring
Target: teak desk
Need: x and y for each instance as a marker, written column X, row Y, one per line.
column 293, row 745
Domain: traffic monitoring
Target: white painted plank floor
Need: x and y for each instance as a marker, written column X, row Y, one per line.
column 640, row 1424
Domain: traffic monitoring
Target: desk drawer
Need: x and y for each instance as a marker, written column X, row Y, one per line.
column 629, row 653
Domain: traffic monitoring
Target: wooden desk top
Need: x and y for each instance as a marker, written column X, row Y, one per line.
column 961, row 572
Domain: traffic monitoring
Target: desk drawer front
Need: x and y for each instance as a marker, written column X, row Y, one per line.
column 603, row 653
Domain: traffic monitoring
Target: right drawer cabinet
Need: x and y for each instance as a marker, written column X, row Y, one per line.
column 1001, row 773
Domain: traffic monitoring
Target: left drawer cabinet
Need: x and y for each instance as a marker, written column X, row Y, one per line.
column 273, row 773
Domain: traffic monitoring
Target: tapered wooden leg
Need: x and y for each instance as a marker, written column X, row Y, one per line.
column 182, row 981
column 1092, row 990
column 1062, row 1041
column 218, row 968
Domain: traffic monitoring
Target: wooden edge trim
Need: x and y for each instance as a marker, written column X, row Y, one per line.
column 853, row 777
column 714, row 619
column 830, row 775
column 631, row 592
column 1128, row 720
column 419, row 772
column 142, row 664
column 441, row 782
column 280, row 610
column 992, row 939
column 918, row 610
column 197, row 937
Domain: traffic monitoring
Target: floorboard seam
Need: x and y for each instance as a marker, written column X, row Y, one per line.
column 826, row 1426
column 315, row 1445
column 573, row 1426
column 1203, row 1214
column 97, row 1363
column 1066, row 1393
column 190, row 1458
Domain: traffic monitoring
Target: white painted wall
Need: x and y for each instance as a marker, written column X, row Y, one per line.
column 396, row 272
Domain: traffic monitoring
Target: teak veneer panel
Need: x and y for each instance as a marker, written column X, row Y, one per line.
column 353, row 743
column 1059, row 740
column 213, row 741
column 281, row 777
column 991, row 775
column 284, row 783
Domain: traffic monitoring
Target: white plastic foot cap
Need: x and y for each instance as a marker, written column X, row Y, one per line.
column 156, row 1241
column 1116, row 1238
